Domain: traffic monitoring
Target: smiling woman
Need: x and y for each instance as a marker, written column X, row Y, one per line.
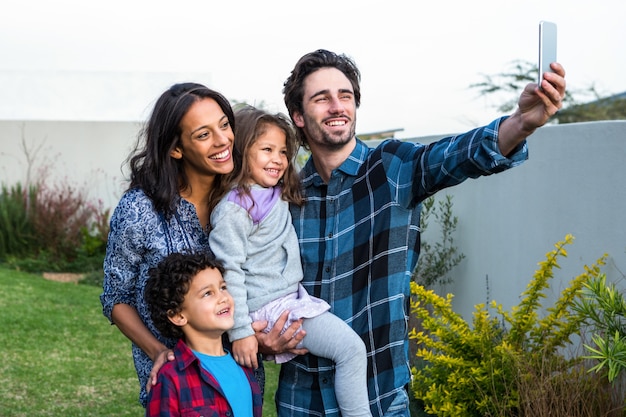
column 176, row 180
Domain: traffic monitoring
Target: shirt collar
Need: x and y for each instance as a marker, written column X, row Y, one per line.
column 184, row 355
column 350, row 166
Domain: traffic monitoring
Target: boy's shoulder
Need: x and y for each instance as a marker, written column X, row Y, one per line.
column 183, row 359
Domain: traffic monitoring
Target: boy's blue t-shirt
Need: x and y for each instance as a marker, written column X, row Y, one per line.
column 232, row 380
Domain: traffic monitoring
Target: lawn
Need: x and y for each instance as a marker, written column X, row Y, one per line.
column 60, row 356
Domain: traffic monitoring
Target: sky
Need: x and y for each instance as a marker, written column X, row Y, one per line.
column 110, row 60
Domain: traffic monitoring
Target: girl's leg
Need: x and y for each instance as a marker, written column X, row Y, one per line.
column 329, row 337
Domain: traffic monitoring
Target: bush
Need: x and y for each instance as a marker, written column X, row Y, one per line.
column 16, row 230
column 513, row 364
column 604, row 309
column 436, row 260
column 51, row 229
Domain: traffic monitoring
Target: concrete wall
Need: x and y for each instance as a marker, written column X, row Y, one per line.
column 572, row 183
column 88, row 155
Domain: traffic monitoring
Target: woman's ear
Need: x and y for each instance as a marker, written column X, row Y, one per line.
column 176, row 153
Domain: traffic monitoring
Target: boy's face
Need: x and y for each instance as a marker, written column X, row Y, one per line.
column 208, row 306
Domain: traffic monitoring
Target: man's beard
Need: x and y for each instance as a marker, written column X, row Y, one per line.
column 319, row 137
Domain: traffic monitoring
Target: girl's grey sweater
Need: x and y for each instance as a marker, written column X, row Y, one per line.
column 259, row 249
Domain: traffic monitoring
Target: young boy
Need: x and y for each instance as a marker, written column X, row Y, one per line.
column 188, row 300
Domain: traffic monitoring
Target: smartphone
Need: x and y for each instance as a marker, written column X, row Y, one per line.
column 547, row 48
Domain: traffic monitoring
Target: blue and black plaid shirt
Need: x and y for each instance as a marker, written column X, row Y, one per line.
column 359, row 240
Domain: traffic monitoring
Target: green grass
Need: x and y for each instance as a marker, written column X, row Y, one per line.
column 271, row 383
column 60, row 356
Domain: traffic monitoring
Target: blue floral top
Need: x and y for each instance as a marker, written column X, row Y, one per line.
column 138, row 240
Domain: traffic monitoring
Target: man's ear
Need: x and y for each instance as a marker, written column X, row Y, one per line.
column 176, row 153
column 298, row 119
column 177, row 318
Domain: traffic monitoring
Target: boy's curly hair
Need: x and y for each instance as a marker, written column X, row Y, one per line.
column 169, row 283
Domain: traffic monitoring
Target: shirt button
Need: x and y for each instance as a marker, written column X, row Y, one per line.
column 328, row 269
column 324, row 380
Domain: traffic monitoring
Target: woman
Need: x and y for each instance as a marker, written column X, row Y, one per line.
column 176, row 179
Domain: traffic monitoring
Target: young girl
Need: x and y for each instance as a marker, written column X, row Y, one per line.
column 253, row 237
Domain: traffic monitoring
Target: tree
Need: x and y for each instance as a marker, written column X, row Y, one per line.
column 578, row 105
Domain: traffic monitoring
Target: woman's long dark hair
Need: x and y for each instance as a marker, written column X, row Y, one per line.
column 160, row 176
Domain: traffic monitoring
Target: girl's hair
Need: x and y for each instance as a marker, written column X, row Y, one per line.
column 293, row 88
column 169, row 283
column 160, row 176
column 252, row 123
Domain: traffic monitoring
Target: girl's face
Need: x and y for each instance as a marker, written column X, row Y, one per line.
column 267, row 157
column 206, row 140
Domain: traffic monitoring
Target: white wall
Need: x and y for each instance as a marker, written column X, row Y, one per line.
column 87, row 155
column 572, row 183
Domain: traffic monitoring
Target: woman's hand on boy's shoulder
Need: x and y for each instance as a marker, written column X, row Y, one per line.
column 163, row 357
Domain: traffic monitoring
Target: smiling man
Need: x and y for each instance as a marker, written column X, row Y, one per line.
column 358, row 228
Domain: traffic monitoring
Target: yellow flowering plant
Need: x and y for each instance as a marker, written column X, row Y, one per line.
column 478, row 369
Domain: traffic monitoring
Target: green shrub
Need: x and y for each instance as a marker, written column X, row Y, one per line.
column 604, row 309
column 16, row 229
column 437, row 259
column 512, row 364
column 52, row 229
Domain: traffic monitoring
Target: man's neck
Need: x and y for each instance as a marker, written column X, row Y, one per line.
column 327, row 159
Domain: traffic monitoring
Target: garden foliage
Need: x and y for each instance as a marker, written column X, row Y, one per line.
column 604, row 309
column 437, row 259
column 513, row 363
column 56, row 228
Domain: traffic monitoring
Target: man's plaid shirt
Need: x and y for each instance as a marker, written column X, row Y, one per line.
column 359, row 240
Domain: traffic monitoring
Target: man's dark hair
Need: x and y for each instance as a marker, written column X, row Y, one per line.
column 169, row 283
column 293, row 88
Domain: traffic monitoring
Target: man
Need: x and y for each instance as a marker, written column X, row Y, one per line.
column 358, row 229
